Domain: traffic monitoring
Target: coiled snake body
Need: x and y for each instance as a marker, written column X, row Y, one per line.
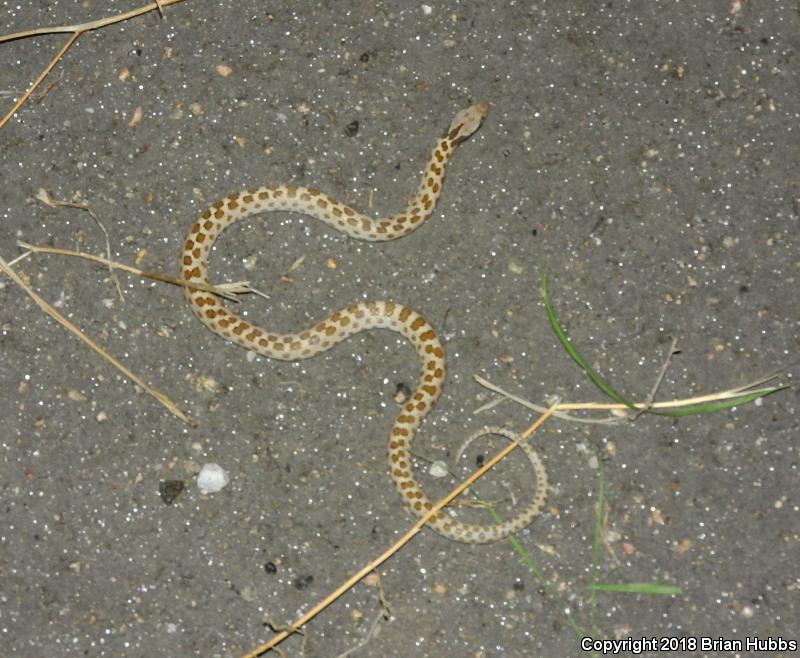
column 357, row 317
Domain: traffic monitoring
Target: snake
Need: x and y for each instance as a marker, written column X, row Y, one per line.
column 359, row 317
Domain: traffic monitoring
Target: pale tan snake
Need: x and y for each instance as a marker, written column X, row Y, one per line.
column 358, row 317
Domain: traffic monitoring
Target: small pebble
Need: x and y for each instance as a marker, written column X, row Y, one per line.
column 170, row 490
column 438, row 469
column 212, row 478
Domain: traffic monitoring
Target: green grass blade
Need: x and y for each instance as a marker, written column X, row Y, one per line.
column 597, row 547
column 527, row 560
column 576, row 356
column 605, row 387
column 719, row 405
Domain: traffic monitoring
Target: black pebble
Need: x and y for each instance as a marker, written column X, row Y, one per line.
column 170, row 490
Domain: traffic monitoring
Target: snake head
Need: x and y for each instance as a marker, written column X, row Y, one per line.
column 467, row 122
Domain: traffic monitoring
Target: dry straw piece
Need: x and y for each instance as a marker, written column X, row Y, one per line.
column 53, row 313
column 75, row 31
column 408, row 536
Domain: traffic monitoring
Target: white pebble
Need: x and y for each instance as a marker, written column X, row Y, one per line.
column 212, row 478
column 438, row 469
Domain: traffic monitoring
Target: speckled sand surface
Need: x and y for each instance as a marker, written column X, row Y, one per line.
column 647, row 152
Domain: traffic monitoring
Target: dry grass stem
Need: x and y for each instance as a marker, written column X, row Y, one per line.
column 535, row 407
column 18, row 259
column 44, row 196
column 657, row 384
column 21, row 100
column 372, row 632
column 76, row 31
column 374, row 564
column 226, row 290
column 91, row 25
column 613, row 406
column 53, row 313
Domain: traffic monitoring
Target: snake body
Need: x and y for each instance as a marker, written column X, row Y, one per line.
column 357, row 317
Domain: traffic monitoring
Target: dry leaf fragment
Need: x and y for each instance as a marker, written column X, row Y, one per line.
column 295, row 265
column 138, row 113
